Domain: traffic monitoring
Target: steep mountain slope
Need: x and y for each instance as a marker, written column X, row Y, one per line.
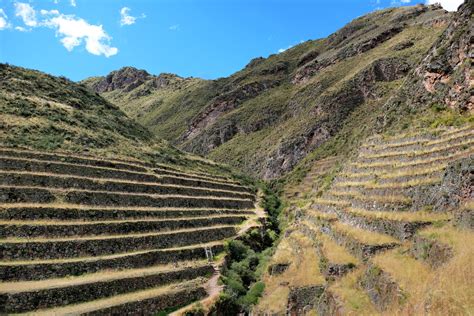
column 43, row 112
column 267, row 117
column 390, row 226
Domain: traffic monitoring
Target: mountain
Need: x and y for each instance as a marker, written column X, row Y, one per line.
column 270, row 115
column 44, row 112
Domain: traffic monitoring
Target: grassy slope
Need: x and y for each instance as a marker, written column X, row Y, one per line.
column 266, row 126
column 44, row 112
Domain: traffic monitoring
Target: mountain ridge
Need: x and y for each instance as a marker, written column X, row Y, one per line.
column 267, row 117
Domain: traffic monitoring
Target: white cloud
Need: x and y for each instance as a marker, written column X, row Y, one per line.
column 73, row 3
column 449, row 5
column 22, row 29
column 50, row 12
column 27, row 13
column 281, row 50
column 399, row 2
column 73, row 31
column 175, row 27
column 126, row 18
column 3, row 20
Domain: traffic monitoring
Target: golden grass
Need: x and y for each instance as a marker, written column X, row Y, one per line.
column 283, row 253
column 103, row 257
column 112, row 222
column 351, row 184
column 450, row 290
column 14, row 240
column 449, row 235
column 452, row 136
column 331, row 202
column 405, row 184
column 396, row 164
column 416, row 153
column 394, row 198
column 420, row 216
column 120, row 299
column 353, row 299
column 182, row 175
column 344, row 194
column 447, row 290
column 405, row 270
column 303, row 271
column 334, row 253
column 363, row 236
column 321, row 215
column 62, row 190
column 102, row 276
column 412, row 172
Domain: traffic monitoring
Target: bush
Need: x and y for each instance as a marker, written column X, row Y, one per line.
column 237, row 250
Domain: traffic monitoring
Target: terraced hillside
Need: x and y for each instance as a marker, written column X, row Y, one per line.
column 267, row 117
column 81, row 234
column 392, row 234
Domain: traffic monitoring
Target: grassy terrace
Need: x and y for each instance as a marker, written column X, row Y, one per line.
column 419, row 216
column 410, row 274
column 397, row 164
column 159, row 294
column 418, row 153
column 363, row 236
column 84, row 234
column 334, row 253
column 350, row 296
column 102, row 276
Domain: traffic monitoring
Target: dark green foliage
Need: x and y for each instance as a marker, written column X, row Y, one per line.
column 247, row 260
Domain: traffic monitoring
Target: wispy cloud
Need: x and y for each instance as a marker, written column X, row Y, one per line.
column 399, row 2
column 126, row 18
column 22, row 29
column 175, row 27
column 73, row 3
column 449, row 5
column 3, row 20
column 27, row 13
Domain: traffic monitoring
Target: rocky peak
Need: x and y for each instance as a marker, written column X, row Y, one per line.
column 129, row 78
column 126, row 78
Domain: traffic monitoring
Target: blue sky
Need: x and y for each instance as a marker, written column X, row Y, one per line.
column 205, row 38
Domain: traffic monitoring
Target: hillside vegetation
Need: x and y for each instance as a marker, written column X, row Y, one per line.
column 267, row 117
column 44, row 112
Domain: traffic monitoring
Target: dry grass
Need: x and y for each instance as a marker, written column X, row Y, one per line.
column 447, row 290
column 394, row 198
column 102, row 276
column 394, row 164
column 344, row 194
column 363, row 236
column 321, row 215
column 412, row 172
column 303, row 271
column 453, row 136
column 353, row 299
column 116, row 300
column 405, row 184
column 409, row 273
column 331, row 202
column 420, row 216
column 335, row 253
column 416, row 153
column 107, row 237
